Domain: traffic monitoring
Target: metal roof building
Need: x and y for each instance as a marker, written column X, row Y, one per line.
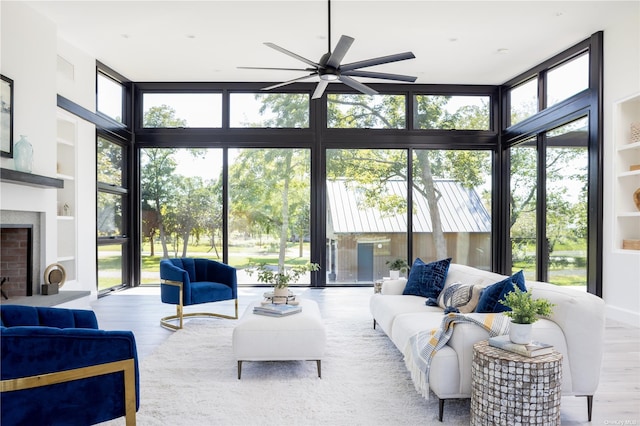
column 461, row 210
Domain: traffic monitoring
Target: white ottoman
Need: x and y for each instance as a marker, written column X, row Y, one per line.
column 300, row 336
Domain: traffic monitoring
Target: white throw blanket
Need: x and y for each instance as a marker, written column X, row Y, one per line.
column 424, row 345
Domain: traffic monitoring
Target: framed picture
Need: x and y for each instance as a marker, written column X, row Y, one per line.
column 6, row 116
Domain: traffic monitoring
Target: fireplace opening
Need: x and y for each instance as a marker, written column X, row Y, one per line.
column 16, row 260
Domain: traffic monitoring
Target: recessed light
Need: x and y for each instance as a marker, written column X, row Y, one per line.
column 190, row 36
column 125, row 36
column 453, row 39
column 502, row 51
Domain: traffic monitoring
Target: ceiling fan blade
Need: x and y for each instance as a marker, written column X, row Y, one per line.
column 377, row 61
column 293, row 55
column 275, row 86
column 357, row 85
column 276, row 69
column 322, row 85
column 341, row 49
column 383, row 75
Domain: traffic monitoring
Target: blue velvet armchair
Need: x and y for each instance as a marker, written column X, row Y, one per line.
column 58, row 368
column 189, row 281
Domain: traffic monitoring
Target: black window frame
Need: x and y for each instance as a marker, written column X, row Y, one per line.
column 319, row 138
column 122, row 135
column 588, row 102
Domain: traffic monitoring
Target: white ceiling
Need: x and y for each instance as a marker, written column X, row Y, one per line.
column 455, row 42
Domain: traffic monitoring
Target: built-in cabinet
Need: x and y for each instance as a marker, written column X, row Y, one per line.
column 627, row 173
column 66, row 143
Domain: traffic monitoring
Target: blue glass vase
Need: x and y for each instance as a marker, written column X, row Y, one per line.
column 23, row 155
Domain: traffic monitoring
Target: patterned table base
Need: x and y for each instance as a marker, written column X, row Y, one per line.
column 510, row 389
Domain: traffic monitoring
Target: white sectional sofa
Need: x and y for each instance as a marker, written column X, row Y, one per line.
column 576, row 329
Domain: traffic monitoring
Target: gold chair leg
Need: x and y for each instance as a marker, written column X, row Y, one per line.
column 180, row 315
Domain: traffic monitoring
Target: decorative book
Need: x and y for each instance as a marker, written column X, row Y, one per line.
column 277, row 310
column 531, row 350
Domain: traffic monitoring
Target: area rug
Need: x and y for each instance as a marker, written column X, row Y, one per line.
column 191, row 379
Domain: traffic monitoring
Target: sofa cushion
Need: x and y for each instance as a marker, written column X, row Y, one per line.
column 408, row 324
column 385, row 308
column 427, row 279
column 490, row 298
column 459, row 297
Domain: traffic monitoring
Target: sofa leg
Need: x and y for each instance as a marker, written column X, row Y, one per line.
column 589, row 406
column 440, row 409
column 374, row 323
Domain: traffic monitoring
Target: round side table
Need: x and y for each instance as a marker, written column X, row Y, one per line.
column 511, row 389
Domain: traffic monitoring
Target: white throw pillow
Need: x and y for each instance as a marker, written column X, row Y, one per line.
column 463, row 297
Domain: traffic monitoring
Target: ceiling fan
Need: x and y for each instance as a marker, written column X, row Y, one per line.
column 330, row 68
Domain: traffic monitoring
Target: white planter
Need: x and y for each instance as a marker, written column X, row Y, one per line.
column 520, row 333
column 281, row 293
column 394, row 275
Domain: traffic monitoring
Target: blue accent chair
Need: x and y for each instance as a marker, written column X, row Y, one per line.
column 189, row 281
column 58, row 368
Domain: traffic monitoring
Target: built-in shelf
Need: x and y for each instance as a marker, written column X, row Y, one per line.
column 68, row 132
column 626, row 213
column 629, row 146
column 30, row 179
column 65, row 177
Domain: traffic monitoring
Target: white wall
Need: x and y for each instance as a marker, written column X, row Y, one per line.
column 621, row 278
column 29, row 56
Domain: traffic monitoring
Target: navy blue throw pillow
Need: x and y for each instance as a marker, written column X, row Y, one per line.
column 490, row 297
column 427, row 279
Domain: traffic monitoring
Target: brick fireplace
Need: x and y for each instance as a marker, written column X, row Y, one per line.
column 16, row 260
column 21, row 242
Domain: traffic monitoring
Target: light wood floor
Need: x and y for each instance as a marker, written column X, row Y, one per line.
column 617, row 401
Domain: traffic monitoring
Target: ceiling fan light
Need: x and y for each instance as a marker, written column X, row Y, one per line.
column 329, row 77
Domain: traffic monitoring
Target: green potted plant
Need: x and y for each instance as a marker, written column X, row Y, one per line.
column 525, row 310
column 396, row 267
column 281, row 278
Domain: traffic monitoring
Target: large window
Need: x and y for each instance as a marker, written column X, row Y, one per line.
column 112, row 212
column 566, row 204
column 366, row 213
column 523, row 210
column 269, row 209
column 181, row 206
column 554, row 219
column 451, row 205
column 113, row 199
column 549, row 230
column 247, row 177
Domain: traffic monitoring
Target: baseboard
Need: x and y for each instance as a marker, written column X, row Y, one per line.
column 623, row 315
